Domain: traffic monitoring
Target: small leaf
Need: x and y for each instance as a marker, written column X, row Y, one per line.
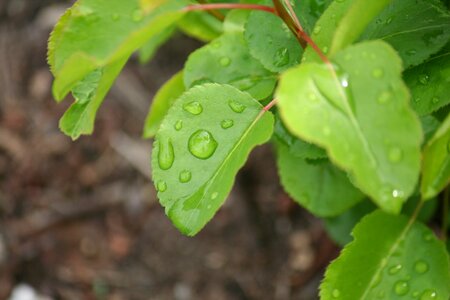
column 390, row 258
column 200, row 25
column 436, row 162
column 161, row 103
column 318, row 186
column 200, row 146
column 430, row 84
column 345, row 113
column 89, row 94
column 223, row 61
column 415, row 28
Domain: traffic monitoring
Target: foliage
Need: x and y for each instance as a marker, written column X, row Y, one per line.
column 359, row 118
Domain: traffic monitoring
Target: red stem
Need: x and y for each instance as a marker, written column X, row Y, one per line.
column 230, row 6
column 316, row 48
column 270, row 105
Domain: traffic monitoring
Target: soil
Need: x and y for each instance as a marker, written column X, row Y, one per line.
column 80, row 220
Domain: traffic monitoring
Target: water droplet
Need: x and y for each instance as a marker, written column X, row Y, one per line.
column 395, row 154
column 178, row 125
column 281, row 57
column 317, row 29
column 415, row 294
column 417, row 99
column 428, row 236
column 335, row 293
column 115, row 17
column 411, row 52
column 161, row 186
column 398, row 194
column 208, row 206
column 166, row 154
column 326, row 130
column 389, row 20
column 421, row 267
column 435, row 100
column 424, row 79
column 401, row 288
column 428, row 295
column 384, row 97
column 325, row 50
column 395, row 269
column 214, row 195
column 225, row 61
column 216, row 44
column 312, row 96
column 193, row 107
column 378, row 73
column 227, row 124
column 236, row 106
column 185, row 176
column 202, row 144
column 137, row 15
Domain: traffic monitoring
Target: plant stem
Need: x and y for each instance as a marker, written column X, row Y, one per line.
column 217, row 14
column 283, row 13
column 270, row 105
column 445, row 214
column 213, row 6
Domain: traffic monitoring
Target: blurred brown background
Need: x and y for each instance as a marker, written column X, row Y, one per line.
column 80, row 220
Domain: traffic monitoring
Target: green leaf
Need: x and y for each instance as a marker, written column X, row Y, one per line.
column 296, row 146
column 94, row 34
column 161, row 103
column 352, row 25
column 390, row 258
column 436, row 162
column 89, row 94
column 149, row 49
column 200, row 146
column 430, row 84
column 200, row 25
column 318, row 186
column 340, row 228
column 345, row 113
column 223, row 61
column 415, row 28
column 429, row 124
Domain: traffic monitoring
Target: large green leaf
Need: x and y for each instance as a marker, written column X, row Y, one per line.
column 430, row 83
column 390, row 258
column 436, row 162
column 161, row 103
column 415, row 28
column 227, row 60
column 317, row 185
column 345, row 111
column 201, row 144
column 95, row 33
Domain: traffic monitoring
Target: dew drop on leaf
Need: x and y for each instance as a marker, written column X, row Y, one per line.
column 137, row 15
column 435, row 100
column 421, row 267
column 185, row 176
column 281, row 57
column 166, row 154
column 378, row 73
column 389, row 20
column 395, row 154
column 395, row 269
column 384, row 97
column 401, row 288
column 317, row 29
column 194, row 108
column 225, row 124
column 161, row 186
column 312, row 96
column 225, row 61
column 428, row 236
column 411, row 52
column 326, row 130
column 202, row 144
column 325, row 50
column 214, row 195
column 178, row 125
column 236, row 106
column 336, row 293
column 428, row 295
column 424, row 79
